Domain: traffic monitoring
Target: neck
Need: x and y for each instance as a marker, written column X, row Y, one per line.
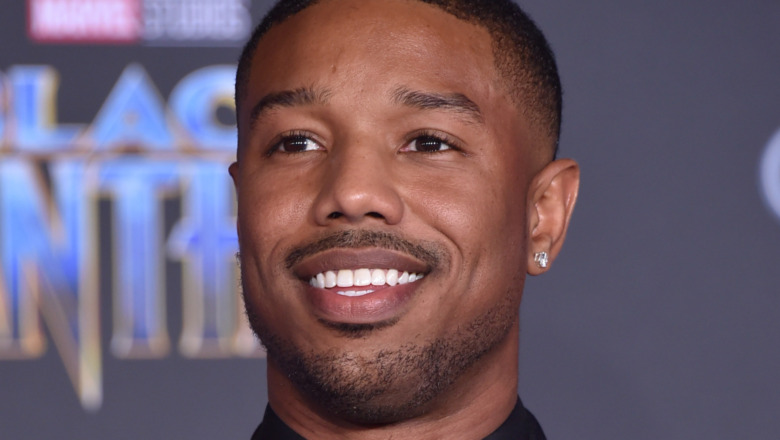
column 475, row 405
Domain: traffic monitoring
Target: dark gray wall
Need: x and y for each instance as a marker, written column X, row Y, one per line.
column 659, row 320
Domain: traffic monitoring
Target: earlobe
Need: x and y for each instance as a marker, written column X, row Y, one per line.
column 233, row 170
column 551, row 199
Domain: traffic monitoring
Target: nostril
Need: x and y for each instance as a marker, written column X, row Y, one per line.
column 373, row 214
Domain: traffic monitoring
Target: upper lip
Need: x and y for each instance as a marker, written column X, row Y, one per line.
column 368, row 258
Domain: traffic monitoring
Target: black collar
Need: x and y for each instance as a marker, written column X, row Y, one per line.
column 520, row 425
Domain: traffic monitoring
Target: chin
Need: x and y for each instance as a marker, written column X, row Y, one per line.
column 388, row 384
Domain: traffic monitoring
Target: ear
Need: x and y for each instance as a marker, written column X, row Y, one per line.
column 551, row 198
column 233, row 170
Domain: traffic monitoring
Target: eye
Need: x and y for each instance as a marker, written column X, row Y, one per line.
column 296, row 143
column 429, row 143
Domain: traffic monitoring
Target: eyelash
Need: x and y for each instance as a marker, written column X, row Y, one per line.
column 276, row 146
column 429, row 135
column 436, row 136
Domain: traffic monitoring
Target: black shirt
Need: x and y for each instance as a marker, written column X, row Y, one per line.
column 520, row 425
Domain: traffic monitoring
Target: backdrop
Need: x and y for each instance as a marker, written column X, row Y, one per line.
column 118, row 317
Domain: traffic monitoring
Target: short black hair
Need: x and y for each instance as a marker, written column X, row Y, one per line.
column 521, row 52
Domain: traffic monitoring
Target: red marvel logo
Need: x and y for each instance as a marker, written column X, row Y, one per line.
column 89, row 21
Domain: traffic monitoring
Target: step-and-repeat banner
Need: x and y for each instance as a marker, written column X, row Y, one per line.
column 119, row 307
column 117, row 217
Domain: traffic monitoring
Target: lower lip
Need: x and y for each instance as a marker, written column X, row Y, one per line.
column 382, row 304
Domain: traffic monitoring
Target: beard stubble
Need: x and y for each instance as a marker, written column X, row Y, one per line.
column 391, row 384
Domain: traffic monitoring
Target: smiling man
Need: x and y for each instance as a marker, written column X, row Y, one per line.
column 396, row 181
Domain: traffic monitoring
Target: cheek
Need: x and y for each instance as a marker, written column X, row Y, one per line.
column 483, row 216
column 268, row 211
column 269, row 214
column 483, row 224
column 471, row 204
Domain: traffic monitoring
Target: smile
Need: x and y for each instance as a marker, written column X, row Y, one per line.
column 364, row 285
column 362, row 278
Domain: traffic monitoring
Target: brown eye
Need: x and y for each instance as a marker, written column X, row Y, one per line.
column 428, row 144
column 297, row 144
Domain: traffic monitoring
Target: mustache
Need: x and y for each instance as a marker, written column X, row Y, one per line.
column 433, row 254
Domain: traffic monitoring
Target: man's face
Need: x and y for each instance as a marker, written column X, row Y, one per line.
column 377, row 142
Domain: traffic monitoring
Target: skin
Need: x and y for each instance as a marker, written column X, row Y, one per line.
column 485, row 205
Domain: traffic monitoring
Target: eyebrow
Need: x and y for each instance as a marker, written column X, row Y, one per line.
column 288, row 98
column 453, row 102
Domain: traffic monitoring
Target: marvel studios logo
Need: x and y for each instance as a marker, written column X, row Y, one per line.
column 150, row 22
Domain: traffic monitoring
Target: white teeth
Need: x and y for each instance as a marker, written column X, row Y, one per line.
column 354, row 292
column 345, row 278
column 330, row 279
column 361, row 278
column 378, row 277
column 392, row 277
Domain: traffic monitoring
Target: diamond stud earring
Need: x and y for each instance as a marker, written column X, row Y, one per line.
column 541, row 259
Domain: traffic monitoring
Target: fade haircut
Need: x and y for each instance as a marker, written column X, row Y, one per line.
column 521, row 55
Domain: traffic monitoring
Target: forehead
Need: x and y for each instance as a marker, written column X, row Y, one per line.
column 350, row 44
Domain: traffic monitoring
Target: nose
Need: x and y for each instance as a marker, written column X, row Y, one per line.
column 358, row 186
